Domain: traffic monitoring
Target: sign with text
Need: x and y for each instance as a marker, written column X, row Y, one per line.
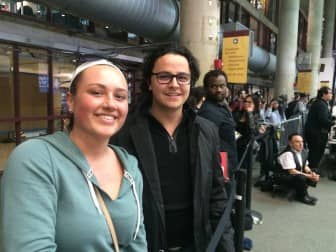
column 327, row 72
column 304, row 82
column 325, row 84
column 235, row 56
column 43, row 83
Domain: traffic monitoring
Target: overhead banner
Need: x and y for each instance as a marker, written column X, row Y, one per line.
column 235, row 56
column 304, row 82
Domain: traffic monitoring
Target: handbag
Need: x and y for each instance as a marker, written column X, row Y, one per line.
column 108, row 219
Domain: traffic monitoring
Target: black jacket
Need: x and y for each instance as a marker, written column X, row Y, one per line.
column 209, row 193
column 222, row 117
column 319, row 118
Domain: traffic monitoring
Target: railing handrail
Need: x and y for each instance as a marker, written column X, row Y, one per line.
column 227, row 212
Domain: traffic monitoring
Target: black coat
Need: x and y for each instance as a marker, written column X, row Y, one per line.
column 319, row 118
column 209, row 194
column 222, row 117
column 317, row 126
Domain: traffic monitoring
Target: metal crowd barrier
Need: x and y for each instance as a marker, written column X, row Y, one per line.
column 238, row 198
column 240, row 194
column 290, row 126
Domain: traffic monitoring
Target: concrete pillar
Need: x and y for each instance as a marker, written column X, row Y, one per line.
column 287, row 48
column 328, row 28
column 199, row 31
column 314, row 39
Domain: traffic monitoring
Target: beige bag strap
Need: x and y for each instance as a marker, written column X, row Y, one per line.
column 108, row 219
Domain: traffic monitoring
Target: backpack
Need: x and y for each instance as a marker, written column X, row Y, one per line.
column 291, row 109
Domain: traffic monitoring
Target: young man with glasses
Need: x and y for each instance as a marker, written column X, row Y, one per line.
column 184, row 194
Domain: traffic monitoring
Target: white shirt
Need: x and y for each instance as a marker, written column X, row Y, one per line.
column 287, row 161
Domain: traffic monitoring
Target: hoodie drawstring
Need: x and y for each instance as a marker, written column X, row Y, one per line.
column 129, row 177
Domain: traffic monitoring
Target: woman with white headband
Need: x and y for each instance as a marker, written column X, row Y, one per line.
column 72, row 191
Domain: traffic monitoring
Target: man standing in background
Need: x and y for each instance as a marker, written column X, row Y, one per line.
column 216, row 109
column 317, row 127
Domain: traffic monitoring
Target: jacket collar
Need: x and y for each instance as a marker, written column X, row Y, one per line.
column 145, row 150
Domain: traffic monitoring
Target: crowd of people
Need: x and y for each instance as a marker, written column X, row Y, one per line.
column 149, row 180
column 248, row 116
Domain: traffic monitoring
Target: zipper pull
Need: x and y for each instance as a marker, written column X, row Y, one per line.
column 172, row 145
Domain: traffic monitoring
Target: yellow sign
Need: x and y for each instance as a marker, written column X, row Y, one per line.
column 304, row 82
column 235, row 57
column 325, row 84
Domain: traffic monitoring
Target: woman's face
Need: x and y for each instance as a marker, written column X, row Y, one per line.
column 100, row 104
column 275, row 104
column 248, row 104
column 171, row 95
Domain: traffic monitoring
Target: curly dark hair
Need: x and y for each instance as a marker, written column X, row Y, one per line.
column 150, row 60
column 213, row 74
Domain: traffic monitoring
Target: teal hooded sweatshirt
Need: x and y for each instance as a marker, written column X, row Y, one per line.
column 48, row 203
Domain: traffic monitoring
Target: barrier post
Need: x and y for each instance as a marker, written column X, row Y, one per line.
column 239, row 217
column 249, row 166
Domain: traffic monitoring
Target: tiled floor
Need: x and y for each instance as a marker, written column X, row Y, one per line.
column 293, row 226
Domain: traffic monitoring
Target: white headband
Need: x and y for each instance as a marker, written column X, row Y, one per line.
column 86, row 65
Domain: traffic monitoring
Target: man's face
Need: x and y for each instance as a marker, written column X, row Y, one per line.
column 296, row 143
column 170, row 94
column 217, row 89
column 328, row 96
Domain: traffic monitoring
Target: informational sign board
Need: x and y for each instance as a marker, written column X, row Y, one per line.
column 43, row 83
column 327, row 72
column 235, row 56
column 304, row 81
column 325, row 84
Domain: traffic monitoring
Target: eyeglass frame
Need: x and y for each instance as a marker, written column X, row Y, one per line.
column 172, row 76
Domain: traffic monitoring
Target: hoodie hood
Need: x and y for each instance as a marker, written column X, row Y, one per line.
column 62, row 142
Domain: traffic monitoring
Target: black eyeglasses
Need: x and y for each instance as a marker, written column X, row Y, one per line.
column 166, row 78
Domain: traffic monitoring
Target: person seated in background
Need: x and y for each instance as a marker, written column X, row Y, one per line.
column 295, row 171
